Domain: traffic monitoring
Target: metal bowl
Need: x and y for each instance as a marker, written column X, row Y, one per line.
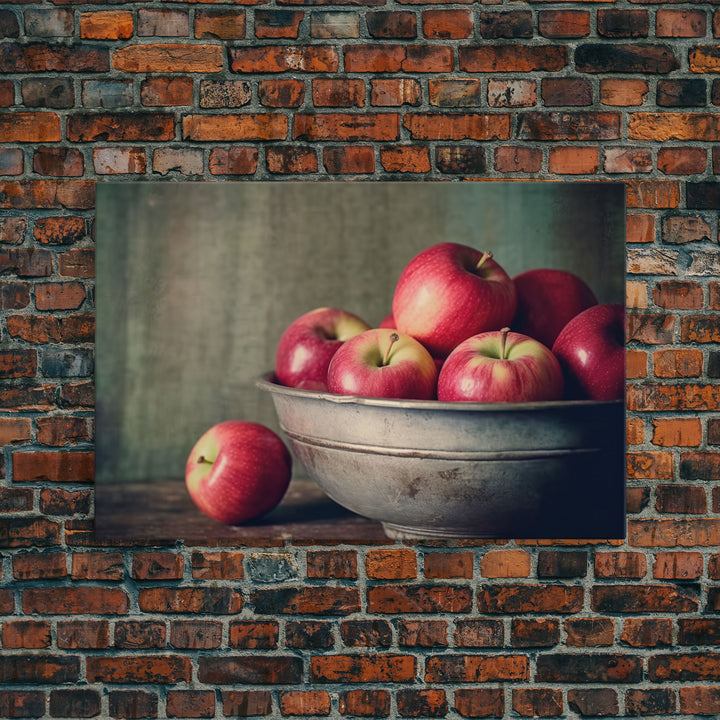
column 431, row 469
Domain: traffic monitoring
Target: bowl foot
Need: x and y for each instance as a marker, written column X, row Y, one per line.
column 407, row 532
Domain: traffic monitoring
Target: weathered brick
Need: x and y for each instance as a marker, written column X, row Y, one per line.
column 195, row 634
column 304, row 702
column 614, row 23
column 26, row 634
column 647, row 632
column 39, row 669
column 365, row 703
column 185, row 161
column 278, row 23
column 573, row 160
column 681, row 93
column 512, row 58
column 163, row 22
column 97, row 566
column 338, row 92
column 512, row 159
column 119, row 161
column 422, row 633
column 281, row 93
column 120, row 127
column 623, row 92
column 168, row 57
column 137, row 668
column 278, row 58
column 419, row 598
column 224, row 128
column 167, row 91
column 460, row 159
column 213, row 24
column 516, row 599
column 39, row 565
column 233, row 161
column 649, row 701
column 590, row 632
column 476, row 668
column 643, row 465
column 209, row 600
column 346, row 127
column 678, row 363
column 625, row 58
column 620, row 564
column 334, row 24
column 250, row 669
column 253, row 635
column 132, row 704
column 680, row 23
column 678, row 565
column 661, row 127
column 593, row 702
column 455, row 93
column 246, row 702
column 394, row 92
column 306, row 601
column 480, row 702
column 191, row 703
column 590, row 668
column 684, row 666
column 52, row 57
column 72, row 466
column 559, row 24
column 57, row 501
column 63, row 230
column 478, row 633
column 391, row 24
column 76, row 702
column 366, row 633
column 699, row 700
column 568, row 126
column 332, row 564
column 106, row 25
column 15, row 500
column 424, row 702
column 679, row 229
column 537, row 702
column 447, row 24
column 534, row 633
column 572, row 92
column 405, row 158
column 644, row 598
column 135, row 634
column 456, row 126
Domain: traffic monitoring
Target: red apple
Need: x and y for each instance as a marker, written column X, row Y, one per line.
column 388, row 322
column 547, row 300
column 308, row 344
column 238, row 471
column 383, row 363
column 500, row 366
column 591, row 351
column 450, row 292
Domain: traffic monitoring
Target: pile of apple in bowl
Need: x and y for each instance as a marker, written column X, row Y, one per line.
column 482, row 406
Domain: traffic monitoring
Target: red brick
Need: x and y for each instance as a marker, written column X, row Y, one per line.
column 18, row 363
column 26, row 262
column 143, row 669
column 132, row 704
column 595, row 702
column 374, row 58
column 511, row 93
column 680, row 23
column 58, row 162
column 307, row 702
column 15, row 500
column 478, row 633
column 650, row 701
column 505, row 563
column 191, row 703
column 120, row 127
column 614, row 23
column 338, row 92
column 661, row 127
column 12, row 230
column 457, row 126
column 306, row 600
column 166, row 91
column 419, row 599
column 510, row 24
column 460, row 159
column 61, row 430
column 255, row 669
column 39, row 668
column 653, row 193
column 589, row 668
column 53, row 466
column 346, row 127
column 476, row 668
column 253, row 635
column 106, row 25
column 365, row 703
column 480, row 702
column 208, row 600
column 217, row 565
column 22, row 703
column 510, row 159
column 29, row 127
column 37, row 398
column 51, row 194
column 517, row 599
column 229, row 128
column 537, row 702
column 643, row 598
column 134, row 634
column 446, row 565
column 677, row 363
column 688, row 499
column 590, row 632
column 278, row 23
column 672, row 432
column 649, row 464
column 620, row 564
column 26, row 634
column 39, row 565
column 394, row 92
column 366, row 633
column 623, row 92
column 534, row 633
column 385, row 24
column 59, row 230
column 686, row 532
column 635, row 431
column 168, row 57
column 281, row 93
column 157, row 566
column 512, row 57
column 422, row 633
column 564, row 125
column 279, row 58
column 564, row 23
column 196, row 634
column 233, row 161
column 423, row 702
column 573, row 160
column 75, row 600
column 678, row 565
column 647, row 632
column 682, row 161
column 627, row 160
column 376, row 668
column 636, row 364
column 447, row 24
column 221, row 24
column 59, row 295
column 637, row 499
column 349, row 159
column 461, row 92
column 573, row 92
column 97, row 566
column 678, row 295
column 246, row 702
column 405, row 158
column 332, row 564
column 699, row 700
column 119, row 161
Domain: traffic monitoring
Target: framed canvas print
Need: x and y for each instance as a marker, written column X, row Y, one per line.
column 522, row 437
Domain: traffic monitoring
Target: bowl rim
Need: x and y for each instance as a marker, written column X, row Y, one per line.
column 268, row 383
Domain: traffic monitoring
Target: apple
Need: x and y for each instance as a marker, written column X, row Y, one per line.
column 547, row 300
column 450, row 292
column 308, row 344
column 238, row 471
column 388, row 322
column 500, row 366
column 591, row 351
column 383, row 363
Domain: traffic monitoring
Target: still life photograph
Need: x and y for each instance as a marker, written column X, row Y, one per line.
column 349, row 362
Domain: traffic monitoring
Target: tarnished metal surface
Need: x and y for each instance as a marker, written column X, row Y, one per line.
column 435, row 469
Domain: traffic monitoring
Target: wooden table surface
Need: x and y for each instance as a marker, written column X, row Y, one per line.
column 161, row 510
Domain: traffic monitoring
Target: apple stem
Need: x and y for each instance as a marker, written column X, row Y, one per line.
column 503, row 341
column 485, row 256
column 203, row 459
column 394, row 337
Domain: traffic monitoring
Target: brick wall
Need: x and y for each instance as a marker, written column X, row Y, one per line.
column 368, row 90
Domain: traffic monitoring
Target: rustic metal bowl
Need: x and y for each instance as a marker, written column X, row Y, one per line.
column 430, row 469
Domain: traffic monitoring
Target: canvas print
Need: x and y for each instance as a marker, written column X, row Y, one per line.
column 353, row 362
